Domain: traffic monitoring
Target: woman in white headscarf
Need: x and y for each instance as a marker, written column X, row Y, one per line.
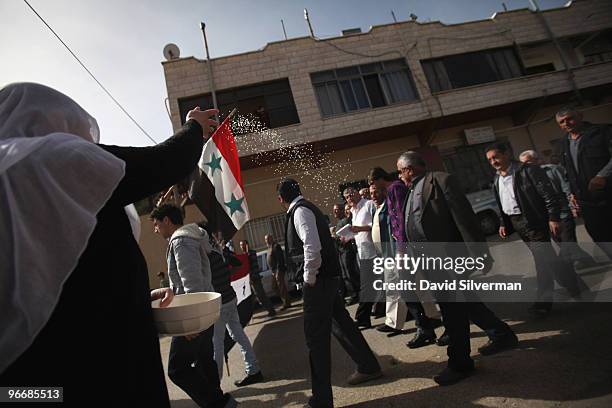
column 64, row 229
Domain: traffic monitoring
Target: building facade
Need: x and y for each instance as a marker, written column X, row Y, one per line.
column 364, row 98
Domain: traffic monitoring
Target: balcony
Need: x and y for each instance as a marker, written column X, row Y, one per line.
column 527, row 87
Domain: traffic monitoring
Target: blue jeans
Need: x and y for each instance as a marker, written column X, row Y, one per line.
column 229, row 319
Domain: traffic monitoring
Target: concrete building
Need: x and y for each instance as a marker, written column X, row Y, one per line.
column 363, row 98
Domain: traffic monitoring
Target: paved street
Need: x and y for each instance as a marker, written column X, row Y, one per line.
column 562, row 361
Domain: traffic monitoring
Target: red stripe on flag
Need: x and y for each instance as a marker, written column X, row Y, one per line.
column 224, row 139
column 242, row 270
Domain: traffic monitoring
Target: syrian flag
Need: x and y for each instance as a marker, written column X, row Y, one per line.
column 216, row 185
column 241, row 283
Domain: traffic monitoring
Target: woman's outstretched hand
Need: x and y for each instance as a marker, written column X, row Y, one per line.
column 204, row 118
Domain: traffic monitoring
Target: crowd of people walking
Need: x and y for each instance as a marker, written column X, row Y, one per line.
column 72, row 214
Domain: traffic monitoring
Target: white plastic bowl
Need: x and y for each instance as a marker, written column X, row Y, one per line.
column 189, row 313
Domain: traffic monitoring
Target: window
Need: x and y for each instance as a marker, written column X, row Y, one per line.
column 328, row 96
column 469, row 165
column 458, row 71
column 539, row 69
column 597, row 47
column 258, row 228
column 363, row 87
column 271, row 102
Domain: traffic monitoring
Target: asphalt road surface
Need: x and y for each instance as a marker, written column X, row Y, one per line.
column 563, row 360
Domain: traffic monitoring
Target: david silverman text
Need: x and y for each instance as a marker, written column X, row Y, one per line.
column 464, row 284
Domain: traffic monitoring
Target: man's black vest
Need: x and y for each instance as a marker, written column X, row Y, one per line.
column 294, row 247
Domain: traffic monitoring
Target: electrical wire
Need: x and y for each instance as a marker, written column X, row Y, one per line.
column 89, row 72
column 358, row 54
column 167, row 105
column 424, row 85
column 471, row 37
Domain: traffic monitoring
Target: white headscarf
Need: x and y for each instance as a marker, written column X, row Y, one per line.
column 53, row 182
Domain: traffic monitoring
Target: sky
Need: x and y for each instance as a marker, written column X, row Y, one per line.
column 121, row 42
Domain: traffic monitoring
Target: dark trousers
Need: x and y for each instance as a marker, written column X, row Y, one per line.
column 367, row 294
column 421, row 321
column 192, row 367
column 350, row 271
column 379, row 309
column 457, row 325
column 324, row 314
column 280, row 286
column 570, row 251
column 549, row 266
column 485, row 319
column 260, row 293
column 363, row 313
column 598, row 223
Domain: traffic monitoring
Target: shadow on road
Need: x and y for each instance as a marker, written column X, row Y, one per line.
column 562, row 360
column 281, row 341
column 570, row 361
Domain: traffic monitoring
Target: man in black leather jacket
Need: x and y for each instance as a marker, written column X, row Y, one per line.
column 529, row 206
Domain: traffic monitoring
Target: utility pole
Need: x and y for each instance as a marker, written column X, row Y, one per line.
column 211, row 79
column 307, row 18
column 284, row 31
column 562, row 55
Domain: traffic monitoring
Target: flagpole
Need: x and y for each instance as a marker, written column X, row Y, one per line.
column 231, row 113
column 164, row 197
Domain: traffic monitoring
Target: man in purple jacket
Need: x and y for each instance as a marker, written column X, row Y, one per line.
column 396, row 308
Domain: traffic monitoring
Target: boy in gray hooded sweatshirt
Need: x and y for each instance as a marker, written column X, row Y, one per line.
column 190, row 365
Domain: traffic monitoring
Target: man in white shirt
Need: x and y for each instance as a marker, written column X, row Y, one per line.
column 362, row 211
column 395, row 308
column 312, row 258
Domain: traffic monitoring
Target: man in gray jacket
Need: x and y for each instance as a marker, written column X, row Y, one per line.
column 570, row 251
column 191, row 364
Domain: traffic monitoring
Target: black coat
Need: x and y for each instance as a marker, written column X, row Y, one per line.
column 220, row 268
column 536, row 197
column 254, row 268
column 276, row 259
column 448, row 217
column 100, row 343
column 594, row 152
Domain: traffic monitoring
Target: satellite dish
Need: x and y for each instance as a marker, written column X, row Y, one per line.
column 171, row 51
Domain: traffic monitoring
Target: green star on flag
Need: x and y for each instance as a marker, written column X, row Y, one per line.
column 214, row 192
column 235, row 205
column 214, row 164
